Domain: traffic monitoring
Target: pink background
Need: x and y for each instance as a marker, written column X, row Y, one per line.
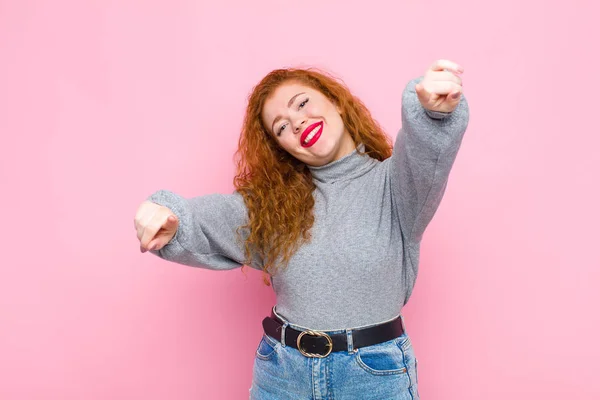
column 104, row 102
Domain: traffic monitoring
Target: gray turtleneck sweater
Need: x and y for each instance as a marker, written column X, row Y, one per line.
column 361, row 264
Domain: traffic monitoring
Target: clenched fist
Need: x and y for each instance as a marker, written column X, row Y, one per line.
column 155, row 226
column 441, row 86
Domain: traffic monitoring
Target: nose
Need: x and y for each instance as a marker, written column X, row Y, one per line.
column 299, row 124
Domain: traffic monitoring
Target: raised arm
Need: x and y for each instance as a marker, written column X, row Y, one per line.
column 206, row 236
column 423, row 155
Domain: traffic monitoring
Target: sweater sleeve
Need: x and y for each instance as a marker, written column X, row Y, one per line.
column 423, row 155
column 206, row 236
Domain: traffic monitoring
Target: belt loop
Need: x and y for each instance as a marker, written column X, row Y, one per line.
column 285, row 325
column 349, row 341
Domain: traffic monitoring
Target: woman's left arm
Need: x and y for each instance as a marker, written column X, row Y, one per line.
column 435, row 116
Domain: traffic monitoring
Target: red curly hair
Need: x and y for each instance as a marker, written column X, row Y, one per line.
column 277, row 188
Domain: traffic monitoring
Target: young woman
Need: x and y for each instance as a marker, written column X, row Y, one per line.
column 334, row 218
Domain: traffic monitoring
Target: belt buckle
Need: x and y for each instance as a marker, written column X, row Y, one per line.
column 314, row 333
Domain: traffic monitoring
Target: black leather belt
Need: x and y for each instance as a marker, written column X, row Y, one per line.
column 321, row 344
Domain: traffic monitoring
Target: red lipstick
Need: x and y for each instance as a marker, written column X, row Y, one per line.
column 309, row 130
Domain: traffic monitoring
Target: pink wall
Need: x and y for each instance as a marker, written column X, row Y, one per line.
column 104, row 102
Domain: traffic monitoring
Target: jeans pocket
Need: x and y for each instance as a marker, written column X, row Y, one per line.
column 386, row 358
column 266, row 348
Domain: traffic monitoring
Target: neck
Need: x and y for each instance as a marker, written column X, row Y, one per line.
column 349, row 166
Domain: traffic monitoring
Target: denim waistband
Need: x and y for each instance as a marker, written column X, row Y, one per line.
column 348, row 331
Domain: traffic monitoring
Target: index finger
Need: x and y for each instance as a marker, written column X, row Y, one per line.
column 441, row 65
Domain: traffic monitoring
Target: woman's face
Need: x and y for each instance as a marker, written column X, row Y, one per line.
column 306, row 124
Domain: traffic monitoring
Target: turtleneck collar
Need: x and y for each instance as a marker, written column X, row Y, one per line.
column 350, row 166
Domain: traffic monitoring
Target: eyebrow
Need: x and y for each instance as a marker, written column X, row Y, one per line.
column 289, row 105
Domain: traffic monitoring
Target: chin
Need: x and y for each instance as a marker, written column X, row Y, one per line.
column 321, row 153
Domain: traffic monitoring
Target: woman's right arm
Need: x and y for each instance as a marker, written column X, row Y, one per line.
column 206, row 232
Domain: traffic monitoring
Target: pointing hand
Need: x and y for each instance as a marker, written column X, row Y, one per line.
column 155, row 226
column 441, row 87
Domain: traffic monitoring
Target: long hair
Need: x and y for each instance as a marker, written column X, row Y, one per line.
column 277, row 188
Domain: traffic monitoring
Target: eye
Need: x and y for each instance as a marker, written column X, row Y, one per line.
column 281, row 129
column 303, row 104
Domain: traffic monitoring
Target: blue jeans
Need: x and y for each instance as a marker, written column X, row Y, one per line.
column 384, row 371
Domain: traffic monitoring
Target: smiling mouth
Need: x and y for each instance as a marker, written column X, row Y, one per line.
column 311, row 134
